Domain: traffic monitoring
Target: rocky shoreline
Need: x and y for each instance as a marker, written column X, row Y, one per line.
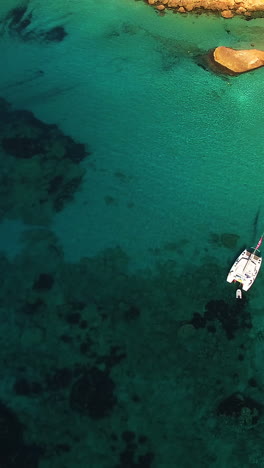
column 227, row 8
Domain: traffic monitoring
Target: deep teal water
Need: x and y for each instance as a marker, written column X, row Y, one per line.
column 172, row 191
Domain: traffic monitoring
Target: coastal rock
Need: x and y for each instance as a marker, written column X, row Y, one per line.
column 227, row 8
column 227, row 14
column 241, row 10
column 238, row 61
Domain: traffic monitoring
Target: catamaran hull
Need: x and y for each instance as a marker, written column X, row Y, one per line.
column 245, row 269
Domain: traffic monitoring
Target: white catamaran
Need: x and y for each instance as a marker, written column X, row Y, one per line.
column 246, row 268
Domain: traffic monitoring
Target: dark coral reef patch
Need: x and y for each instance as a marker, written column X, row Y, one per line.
column 231, row 317
column 14, row 452
column 240, row 407
column 19, row 21
column 40, row 167
column 56, row 34
column 228, row 240
column 99, row 361
column 93, row 394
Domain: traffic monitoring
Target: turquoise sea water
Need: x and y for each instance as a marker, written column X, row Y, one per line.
column 186, row 140
column 172, row 191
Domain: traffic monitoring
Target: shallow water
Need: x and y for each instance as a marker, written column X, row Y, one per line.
column 176, row 152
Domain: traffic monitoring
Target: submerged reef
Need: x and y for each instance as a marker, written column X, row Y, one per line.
column 226, row 239
column 19, row 22
column 93, row 394
column 171, row 50
column 14, row 452
column 241, row 408
column 106, row 367
column 40, row 167
column 232, row 318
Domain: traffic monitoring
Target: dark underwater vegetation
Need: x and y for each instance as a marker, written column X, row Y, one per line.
column 18, row 22
column 40, row 167
column 93, row 343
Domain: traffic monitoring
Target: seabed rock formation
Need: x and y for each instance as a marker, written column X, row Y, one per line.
column 227, row 8
column 18, row 22
column 40, row 167
column 104, row 367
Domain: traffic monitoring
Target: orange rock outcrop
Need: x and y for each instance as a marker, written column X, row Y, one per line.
column 239, row 61
column 227, row 8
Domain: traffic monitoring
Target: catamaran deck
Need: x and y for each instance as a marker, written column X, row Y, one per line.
column 245, row 269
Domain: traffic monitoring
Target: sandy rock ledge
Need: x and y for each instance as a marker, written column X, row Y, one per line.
column 239, row 61
column 227, row 8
